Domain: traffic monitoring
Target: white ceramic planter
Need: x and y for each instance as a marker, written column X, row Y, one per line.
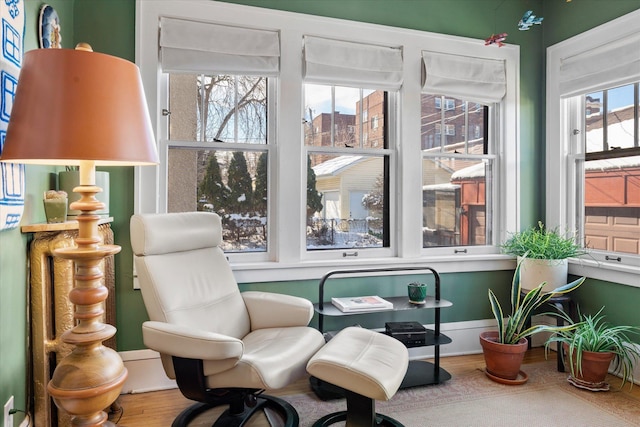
column 535, row 271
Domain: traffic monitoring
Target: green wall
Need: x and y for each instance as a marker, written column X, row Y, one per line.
column 109, row 26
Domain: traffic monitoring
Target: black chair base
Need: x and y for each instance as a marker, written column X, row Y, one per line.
column 380, row 420
column 278, row 412
column 361, row 412
column 243, row 402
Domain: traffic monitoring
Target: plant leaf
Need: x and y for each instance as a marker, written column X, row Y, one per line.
column 497, row 313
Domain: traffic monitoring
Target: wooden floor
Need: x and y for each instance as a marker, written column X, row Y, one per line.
column 158, row 409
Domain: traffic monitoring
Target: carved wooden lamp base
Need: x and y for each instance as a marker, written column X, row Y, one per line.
column 90, row 378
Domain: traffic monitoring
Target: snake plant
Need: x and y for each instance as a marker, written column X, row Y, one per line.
column 512, row 329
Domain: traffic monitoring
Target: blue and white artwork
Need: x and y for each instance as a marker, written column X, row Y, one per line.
column 12, row 176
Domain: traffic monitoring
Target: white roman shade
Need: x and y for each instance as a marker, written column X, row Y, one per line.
column 199, row 47
column 475, row 79
column 342, row 63
column 612, row 64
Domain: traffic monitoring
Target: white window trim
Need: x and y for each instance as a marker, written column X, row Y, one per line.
column 560, row 171
column 289, row 259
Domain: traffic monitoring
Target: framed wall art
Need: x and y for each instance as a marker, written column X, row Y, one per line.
column 12, row 176
column 49, row 32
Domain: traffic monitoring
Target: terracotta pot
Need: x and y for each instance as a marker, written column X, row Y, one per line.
column 595, row 366
column 502, row 360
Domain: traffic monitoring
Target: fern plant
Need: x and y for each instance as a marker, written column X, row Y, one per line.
column 512, row 329
column 541, row 243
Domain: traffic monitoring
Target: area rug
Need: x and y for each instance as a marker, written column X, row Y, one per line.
column 471, row 399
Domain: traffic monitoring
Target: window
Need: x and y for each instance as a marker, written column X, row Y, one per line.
column 449, row 104
column 456, row 193
column 459, row 173
column 218, row 140
column 358, row 218
column 354, row 165
column 593, row 161
column 311, row 164
column 611, row 171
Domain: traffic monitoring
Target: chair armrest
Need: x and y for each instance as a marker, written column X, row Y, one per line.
column 271, row 310
column 182, row 341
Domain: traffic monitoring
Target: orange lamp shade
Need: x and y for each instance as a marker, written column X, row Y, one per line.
column 78, row 105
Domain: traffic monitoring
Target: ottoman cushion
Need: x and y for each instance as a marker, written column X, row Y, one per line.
column 362, row 361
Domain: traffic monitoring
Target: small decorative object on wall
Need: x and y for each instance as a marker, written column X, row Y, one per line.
column 12, row 186
column 496, row 39
column 529, row 19
column 49, row 28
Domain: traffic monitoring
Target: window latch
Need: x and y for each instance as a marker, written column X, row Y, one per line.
column 166, row 112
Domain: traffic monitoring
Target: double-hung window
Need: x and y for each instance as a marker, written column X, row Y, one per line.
column 349, row 89
column 219, row 82
column 593, row 147
column 459, row 167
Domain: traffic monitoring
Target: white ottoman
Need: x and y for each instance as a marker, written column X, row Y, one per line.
column 369, row 366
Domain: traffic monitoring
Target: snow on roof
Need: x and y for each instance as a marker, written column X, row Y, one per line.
column 622, row 132
column 612, row 164
column 441, row 187
column 473, row 171
column 336, row 165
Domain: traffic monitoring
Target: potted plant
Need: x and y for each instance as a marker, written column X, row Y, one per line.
column 504, row 349
column 545, row 254
column 590, row 347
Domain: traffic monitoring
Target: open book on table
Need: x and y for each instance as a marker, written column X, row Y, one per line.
column 363, row 303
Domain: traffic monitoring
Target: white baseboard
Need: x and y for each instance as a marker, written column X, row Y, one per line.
column 145, row 372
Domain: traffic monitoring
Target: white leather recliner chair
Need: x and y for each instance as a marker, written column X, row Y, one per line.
column 222, row 346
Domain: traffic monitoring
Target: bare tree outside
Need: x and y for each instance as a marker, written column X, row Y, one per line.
column 218, row 112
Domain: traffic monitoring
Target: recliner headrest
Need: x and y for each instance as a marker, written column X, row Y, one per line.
column 155, row 234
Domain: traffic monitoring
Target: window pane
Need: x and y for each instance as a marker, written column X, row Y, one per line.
column 231, row 183
column 615, row 129
column 455, row 196
column 345, row 202
column 218, row 108
column 594, row 122
column 463, row 124
column 612, row 171
column 620, row 117
column 337, row 116
column 612, row 204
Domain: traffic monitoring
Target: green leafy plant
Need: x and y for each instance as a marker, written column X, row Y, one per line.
column 512, row 329
column 541, row 243
column 592, row 333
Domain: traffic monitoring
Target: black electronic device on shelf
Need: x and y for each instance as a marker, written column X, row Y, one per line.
column 411, row 334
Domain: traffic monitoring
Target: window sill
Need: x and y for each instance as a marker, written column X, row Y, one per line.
column 611, row 272
column 314, row 270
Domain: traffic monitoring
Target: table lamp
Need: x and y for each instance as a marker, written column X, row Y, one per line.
column 81, row 108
